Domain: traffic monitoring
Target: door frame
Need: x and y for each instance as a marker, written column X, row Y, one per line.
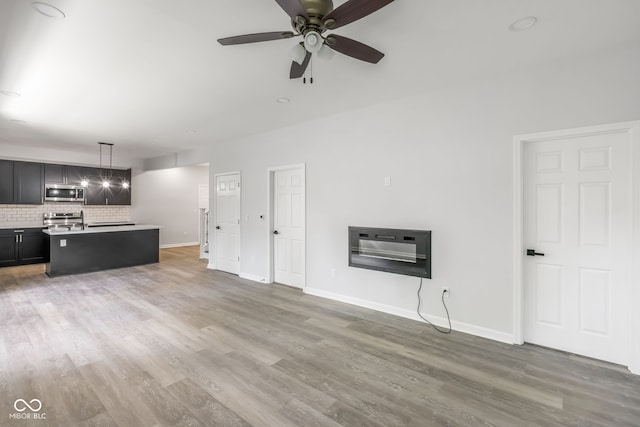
column 271, row 205
column 213, row 243
column 633, row 129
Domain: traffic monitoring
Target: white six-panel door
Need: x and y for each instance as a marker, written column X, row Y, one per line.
column 227, row 220
column 289, row 226
column 577, row 212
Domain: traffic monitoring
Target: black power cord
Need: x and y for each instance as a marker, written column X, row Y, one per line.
column 442, row 331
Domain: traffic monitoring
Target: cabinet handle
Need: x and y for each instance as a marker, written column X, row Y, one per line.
column 17, row 238
column 18, row 231
column 20, row 238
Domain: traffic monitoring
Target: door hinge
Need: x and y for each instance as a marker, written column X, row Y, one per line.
column 238, row 258
column 238, row 221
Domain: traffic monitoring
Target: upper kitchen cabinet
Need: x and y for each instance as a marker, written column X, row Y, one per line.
column 62, row 174
column 21, row 182
column 117, row 193
column 94, row 192
column 28, row 183
column 6, row 182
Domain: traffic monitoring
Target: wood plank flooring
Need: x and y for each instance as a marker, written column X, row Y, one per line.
column 175, row 344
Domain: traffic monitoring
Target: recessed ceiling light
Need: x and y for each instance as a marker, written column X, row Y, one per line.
column 48, row 10
column 283, row 100
column 9, row 93
column 523, row 23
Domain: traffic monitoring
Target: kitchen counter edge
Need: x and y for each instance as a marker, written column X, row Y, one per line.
column 103, row 230
column 20, row 226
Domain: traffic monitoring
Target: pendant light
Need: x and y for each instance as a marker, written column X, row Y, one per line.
column 106, row 180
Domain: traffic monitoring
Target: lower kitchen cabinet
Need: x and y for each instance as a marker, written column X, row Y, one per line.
column 21, row 246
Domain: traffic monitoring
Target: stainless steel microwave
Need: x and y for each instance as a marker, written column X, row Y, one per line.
column 63, row 193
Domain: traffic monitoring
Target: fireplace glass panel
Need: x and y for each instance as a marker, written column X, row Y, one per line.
column 395, row 251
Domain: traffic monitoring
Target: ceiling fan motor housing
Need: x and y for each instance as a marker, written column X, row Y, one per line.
column 317, row 7
column 316, row 10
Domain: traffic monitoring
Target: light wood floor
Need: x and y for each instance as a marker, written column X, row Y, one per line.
column 176, row 344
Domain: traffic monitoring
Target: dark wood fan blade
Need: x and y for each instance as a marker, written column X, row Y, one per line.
column 354, row 49
column 293, row 8
column 298, row 70
column 258, row 37
column 352, row 11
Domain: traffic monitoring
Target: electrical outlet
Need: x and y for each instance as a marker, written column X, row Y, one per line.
column 446, row 291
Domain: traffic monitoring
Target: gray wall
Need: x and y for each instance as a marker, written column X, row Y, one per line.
column 169, row 198
column 449, row 156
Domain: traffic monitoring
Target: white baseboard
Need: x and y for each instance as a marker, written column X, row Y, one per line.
column 408, row 314
column 253, row 277
column 178, row 245
column 212, row 265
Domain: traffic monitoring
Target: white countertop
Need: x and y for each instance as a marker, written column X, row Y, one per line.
column 20, row 225
column 102, row 230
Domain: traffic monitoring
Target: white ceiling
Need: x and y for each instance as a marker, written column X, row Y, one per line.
column 149, row 76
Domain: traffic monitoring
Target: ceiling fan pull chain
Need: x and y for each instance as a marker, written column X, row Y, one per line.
column 311, row 79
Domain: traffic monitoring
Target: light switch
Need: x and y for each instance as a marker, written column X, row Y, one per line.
column 63, row 243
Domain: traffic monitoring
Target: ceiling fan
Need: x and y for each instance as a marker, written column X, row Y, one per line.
column 310, row 19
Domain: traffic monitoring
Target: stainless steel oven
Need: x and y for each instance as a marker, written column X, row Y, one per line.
column 63, row 193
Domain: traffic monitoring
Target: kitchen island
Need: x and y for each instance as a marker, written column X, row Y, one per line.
column 101, row 248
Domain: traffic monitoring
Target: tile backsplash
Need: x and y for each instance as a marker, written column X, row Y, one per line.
column 32, row 214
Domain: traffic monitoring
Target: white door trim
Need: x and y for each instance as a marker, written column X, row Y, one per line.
column 269, row 218
column 213, row 206
column 633, row 128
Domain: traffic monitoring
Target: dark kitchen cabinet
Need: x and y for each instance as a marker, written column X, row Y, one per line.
column 28, row 183
column 63, row 174
column 22, row 246
column 74, row 175
column 54, row 174
column 117, row 193
column 8, row 249
column 21, row 183
column 6, row 181
column 94, row 192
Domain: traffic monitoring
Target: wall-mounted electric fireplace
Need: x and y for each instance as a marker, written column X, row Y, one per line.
column 395, row 251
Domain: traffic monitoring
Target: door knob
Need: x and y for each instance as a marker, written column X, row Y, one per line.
column 275, row 232
column 217, row 227
column 532, row 252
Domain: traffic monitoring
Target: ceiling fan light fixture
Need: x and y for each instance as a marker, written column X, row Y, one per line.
column 313, row 41
column 325, row 54
column 298, row 53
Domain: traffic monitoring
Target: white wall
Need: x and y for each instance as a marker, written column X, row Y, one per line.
column 449, row 156
column 169, row 198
